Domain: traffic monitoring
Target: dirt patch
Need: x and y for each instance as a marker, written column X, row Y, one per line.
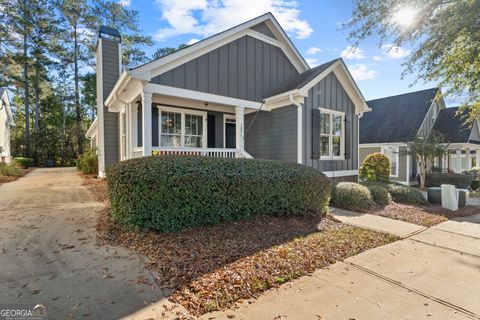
column 97, row 186
column 23, row 172
column 426, row 216
column 211, row 268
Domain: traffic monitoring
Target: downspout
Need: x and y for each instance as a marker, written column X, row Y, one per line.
column 299, row 128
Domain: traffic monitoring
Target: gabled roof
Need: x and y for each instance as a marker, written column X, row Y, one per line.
column 396, row 118
column 165, row 63
column 305, row 77
column 451, row 126
column 5, row 103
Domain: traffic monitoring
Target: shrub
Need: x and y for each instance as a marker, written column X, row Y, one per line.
column 169, row 193
column 88, row 162
column 351, row 196
column 475, row 185
column 405, row 194
column 459, row 180
column 8, row 170
column 23, row 162
column 375, row 167
column 380, row 194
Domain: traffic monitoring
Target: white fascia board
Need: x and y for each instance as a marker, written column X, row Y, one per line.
column 340, row 173
column 350, row 86
column 119, row 85
column 162, row 65
column 92, row 128
column 200, row 96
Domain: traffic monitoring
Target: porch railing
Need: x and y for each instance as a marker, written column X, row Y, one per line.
column 204, row 152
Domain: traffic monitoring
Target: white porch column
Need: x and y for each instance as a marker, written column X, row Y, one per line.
column 299, row 134
column 469, row 160
column 133, row 126
column 458, row 160
column 477, row 157
column 159, row 126
column 239, row 128
column 147, row 123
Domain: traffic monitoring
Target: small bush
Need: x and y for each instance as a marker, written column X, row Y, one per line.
column 88, row 162
column 405, row 194
column 351, row 196
column 375, row 167
column 9, row 170
column 380, row 194
column 475, row 184
column 459, row 180
column 169, row 193
column 23, row 162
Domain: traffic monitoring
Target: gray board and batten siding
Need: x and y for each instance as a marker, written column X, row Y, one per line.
column 111, row 74
column 246, row 68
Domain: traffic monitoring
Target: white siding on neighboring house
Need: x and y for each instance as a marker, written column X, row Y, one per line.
column 5, row 124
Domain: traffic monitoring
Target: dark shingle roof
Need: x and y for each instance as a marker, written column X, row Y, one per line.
column 396, row 118
column 303, row 78
column 452, row 126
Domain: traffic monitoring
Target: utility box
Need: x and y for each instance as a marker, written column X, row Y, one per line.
column 449, row 197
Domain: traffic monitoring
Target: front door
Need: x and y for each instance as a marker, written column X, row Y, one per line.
column 211, row 131
column 230, row 134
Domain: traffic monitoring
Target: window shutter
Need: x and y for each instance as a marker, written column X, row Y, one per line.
column 347, row 139
column 315, row 133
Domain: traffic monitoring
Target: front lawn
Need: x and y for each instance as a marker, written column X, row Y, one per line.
column 423, row 215
column 212, row 267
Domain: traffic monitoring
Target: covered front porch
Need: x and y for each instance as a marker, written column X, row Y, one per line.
column 461, row 157
column 166, row 120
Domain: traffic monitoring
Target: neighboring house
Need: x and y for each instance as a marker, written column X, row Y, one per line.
column 395, row 121
column 245, row 92
column 6, row 122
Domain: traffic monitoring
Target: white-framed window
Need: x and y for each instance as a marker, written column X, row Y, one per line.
column 332, row 135
column 393, row 155
column 182, row 128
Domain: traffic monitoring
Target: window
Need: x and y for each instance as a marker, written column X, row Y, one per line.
column 182, row 128
column 332, row 132
column 393, row 155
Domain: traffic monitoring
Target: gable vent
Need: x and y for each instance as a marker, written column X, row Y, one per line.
column 264, row 29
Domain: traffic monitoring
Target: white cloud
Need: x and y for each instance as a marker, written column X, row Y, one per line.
column 125, row 3
column 352, row 52
column 395, row 52
column 361, row 71
column 192, row 41
column 377, row 58
column 313, row 50
column 312, row 62
column 207, row 17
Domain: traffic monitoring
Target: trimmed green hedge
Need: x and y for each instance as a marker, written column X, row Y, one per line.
column 459, row 180
column 475, row 185
column 380, row 194
column 405, row 194
column 351, row 196
column 169, row 193
column 375, row 167
column 23, row 162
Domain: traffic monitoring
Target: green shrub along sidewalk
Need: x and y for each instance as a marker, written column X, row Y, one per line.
column 459, row 180
column 169, row 193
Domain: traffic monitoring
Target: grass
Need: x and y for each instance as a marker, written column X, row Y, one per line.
column 9, row 173
column 211, row 268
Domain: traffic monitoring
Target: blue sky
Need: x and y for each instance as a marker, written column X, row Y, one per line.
column 313, row 26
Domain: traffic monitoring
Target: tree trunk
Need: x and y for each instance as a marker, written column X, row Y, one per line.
column 25, row 88
column 37, row 89
column 423, row 170
column 77, row 95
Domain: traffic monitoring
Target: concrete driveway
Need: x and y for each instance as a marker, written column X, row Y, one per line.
column 49, row 256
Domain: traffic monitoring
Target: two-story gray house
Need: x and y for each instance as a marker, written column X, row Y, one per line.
column 245, row 92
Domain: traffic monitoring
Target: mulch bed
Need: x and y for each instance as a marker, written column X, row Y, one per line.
column 426, row 216
column 23, row 172
column 97, row 186
column 211, row 268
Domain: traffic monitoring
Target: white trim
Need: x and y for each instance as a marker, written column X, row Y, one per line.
column 183, row 112
column 91, row 130
column 230, row 117
column 385, row 144
column 201, row 96
column 408, row 173
column 396, row 153
column 239, row 128
column 180, row 57
column 299, row 129
column 340, row 173
column 123, row 149
column 330, row 135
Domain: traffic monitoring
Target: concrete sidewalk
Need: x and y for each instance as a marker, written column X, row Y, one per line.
column 433, row 274
column 369, row 221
